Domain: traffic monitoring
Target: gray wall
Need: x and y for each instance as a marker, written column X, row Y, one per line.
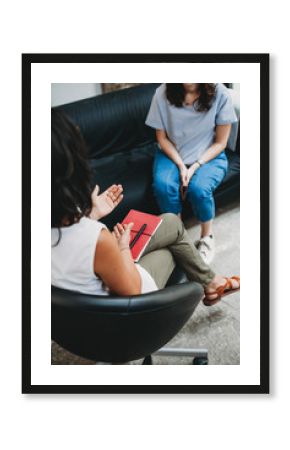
column 62, row 93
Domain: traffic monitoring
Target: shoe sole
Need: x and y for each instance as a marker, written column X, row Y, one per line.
column 218, row 299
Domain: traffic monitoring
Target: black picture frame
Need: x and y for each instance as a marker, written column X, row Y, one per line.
column 263, row 61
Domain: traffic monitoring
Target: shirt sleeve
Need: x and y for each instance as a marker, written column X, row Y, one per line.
column 154, row 117
column 225, row 110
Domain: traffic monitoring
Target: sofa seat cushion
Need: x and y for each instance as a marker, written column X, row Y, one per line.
column 233, row 173
column 229, row 189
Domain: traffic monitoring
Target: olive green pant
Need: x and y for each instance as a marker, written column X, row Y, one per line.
column 170, row 245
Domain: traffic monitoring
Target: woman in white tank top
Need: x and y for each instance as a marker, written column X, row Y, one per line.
column 86, row 257
column 77, row 233
column 73, row 259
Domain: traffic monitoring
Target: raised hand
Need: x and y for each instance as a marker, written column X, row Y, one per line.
column 105, row 203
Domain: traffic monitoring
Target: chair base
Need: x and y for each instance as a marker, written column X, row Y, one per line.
column 200, row 356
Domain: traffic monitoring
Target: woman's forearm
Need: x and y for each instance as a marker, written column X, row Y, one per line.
column 213, row 151
column 131, row 267
column 222, row 133
column 170, row 150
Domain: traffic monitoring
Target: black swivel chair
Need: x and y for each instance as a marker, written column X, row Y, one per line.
column 121, row 329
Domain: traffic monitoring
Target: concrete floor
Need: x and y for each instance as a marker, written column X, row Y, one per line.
column 216, row 328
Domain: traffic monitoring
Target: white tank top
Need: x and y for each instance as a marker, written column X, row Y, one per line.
column 72, row 259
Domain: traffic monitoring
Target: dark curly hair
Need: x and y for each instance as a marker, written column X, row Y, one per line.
column 70, row 172
column 175, row 94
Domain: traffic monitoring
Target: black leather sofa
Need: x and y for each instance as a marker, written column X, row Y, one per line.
column 121, row 149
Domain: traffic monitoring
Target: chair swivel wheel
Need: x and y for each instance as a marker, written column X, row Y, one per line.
column 200, row 361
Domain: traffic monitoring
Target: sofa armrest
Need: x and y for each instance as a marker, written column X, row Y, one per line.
column 233, row 139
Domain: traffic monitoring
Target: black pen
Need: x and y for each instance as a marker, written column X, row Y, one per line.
column 138, row 235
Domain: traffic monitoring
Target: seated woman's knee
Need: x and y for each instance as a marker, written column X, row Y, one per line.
column 170, row 218
column 163, row 187
column 199, row 192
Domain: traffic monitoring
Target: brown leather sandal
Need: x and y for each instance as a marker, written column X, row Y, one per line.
column 222, row 291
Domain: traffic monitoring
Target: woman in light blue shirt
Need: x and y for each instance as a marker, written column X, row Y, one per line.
column 193, row 124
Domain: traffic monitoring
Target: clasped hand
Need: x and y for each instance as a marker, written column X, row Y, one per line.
column 103, row 204
column 187, row 173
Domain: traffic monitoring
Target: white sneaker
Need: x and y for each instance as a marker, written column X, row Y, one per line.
column 205, row 247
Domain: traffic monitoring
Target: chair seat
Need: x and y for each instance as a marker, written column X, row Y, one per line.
column 177, row 277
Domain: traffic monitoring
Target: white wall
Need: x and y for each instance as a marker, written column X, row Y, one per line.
column 62, row 93
column 236, row 87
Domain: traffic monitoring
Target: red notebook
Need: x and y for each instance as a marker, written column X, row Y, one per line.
column 141, row 219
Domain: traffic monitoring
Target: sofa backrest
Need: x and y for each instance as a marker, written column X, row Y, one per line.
column 114, row 122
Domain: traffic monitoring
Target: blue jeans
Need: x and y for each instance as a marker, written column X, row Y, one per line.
column 166, row 185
